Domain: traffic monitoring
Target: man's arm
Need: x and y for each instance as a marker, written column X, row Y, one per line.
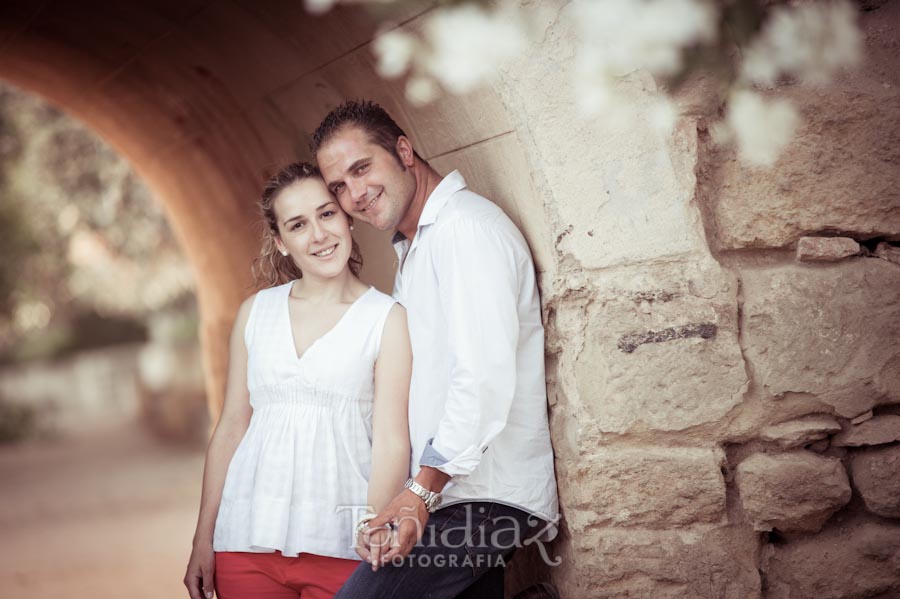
column 479, row 288
column 476, row 265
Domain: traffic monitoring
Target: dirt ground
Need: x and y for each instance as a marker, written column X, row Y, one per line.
column 101, row 514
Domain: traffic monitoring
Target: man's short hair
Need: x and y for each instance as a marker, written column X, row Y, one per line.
column 368, row 116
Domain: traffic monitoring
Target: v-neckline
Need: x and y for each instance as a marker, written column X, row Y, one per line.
column 299, row 357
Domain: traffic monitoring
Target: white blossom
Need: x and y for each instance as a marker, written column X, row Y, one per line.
column 395, row 51
column 421, row 90
column 811, row 41
column 761, row 128
column 318, row 7
column 467, row 44
column 621, row 36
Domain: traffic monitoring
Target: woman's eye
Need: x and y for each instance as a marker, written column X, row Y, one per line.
column 296, row 226
column 328, row 214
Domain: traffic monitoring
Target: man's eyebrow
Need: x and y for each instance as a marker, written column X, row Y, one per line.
column 358, row 164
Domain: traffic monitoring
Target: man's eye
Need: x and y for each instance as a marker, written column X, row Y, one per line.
column 361, row 169
column 338, row 188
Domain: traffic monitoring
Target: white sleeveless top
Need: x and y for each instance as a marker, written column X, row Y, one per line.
column 306, row 456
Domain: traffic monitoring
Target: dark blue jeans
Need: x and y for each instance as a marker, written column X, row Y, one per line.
column 461, row 554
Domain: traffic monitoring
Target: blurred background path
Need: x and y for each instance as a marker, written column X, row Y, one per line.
column 109, row 512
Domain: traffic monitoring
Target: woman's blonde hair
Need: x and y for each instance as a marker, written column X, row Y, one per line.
column 271, row 268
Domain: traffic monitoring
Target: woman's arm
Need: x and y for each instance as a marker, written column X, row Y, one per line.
column 230, row 429
column 390, row 427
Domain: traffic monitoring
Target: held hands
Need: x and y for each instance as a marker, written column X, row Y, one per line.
column 395, row 531
column 201, row 570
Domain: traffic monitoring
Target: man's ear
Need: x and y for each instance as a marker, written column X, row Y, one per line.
column 405, row 151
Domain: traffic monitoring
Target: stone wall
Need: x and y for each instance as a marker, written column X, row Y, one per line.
column 722, row 341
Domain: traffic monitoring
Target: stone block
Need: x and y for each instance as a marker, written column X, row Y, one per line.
column 660, row 348
column 877, row 431
column 826, row 249
column 855, row 560
column 840, row 173
column 795, row 433
column 650, row 487
column 830, row 331
column 718, row 563
column 876, row 475
column 629, row 189
column 888, row 252
column 797, row 491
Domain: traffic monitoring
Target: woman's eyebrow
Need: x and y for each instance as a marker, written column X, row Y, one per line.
column 284, row 224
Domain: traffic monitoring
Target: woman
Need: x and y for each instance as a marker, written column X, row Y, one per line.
column 314, row 424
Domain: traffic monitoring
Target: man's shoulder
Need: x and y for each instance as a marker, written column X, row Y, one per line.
column 469, row 209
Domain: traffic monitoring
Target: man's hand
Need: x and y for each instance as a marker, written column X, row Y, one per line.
column 407, row 511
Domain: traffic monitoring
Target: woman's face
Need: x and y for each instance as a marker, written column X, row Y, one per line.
column 313, row 228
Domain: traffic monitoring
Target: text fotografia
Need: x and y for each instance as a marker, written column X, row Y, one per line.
column 449, row 561
column 483, row 545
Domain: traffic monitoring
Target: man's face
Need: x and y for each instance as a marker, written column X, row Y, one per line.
column 367, row 180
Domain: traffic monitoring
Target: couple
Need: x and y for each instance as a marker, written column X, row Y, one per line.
column 344, row 385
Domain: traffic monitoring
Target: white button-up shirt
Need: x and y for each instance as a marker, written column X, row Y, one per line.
column 478, row 407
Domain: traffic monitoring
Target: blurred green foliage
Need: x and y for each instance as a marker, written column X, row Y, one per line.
column 16, row 243
column 87, row 254
column 17, row 422
column 83, row 331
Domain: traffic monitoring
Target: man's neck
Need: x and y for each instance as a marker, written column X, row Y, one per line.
column 427, row 179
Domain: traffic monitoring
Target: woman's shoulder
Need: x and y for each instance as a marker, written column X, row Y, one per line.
column 381, row 297
column 267, row 294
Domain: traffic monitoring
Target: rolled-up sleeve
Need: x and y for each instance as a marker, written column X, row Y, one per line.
column 476, row 268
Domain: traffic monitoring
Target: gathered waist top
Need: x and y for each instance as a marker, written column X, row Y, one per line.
column 298, row 480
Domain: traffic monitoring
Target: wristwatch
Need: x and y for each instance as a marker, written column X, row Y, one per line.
column 432, row 499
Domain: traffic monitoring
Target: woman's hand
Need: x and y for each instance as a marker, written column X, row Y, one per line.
column 201, row 570
column 373, row 543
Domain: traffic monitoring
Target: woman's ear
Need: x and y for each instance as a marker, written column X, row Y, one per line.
column 280, row 245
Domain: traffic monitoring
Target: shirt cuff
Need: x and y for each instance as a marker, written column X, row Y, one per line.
column 459, row 465
column 431, row 456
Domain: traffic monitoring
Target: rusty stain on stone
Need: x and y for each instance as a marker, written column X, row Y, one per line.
column 656, row 295
column 629, row 343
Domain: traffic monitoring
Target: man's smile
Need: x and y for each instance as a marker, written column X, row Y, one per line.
column 372, row 203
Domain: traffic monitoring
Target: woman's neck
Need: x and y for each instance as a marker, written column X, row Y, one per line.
column 341, row 288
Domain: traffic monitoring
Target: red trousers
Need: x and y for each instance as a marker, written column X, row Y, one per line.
column 273, row 576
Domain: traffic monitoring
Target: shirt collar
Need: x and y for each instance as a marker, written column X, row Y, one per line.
column 438, row 199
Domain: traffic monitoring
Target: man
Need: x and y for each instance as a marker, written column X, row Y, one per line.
column 477, row 406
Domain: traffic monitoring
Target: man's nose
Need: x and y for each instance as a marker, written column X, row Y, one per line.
column 357, row 190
